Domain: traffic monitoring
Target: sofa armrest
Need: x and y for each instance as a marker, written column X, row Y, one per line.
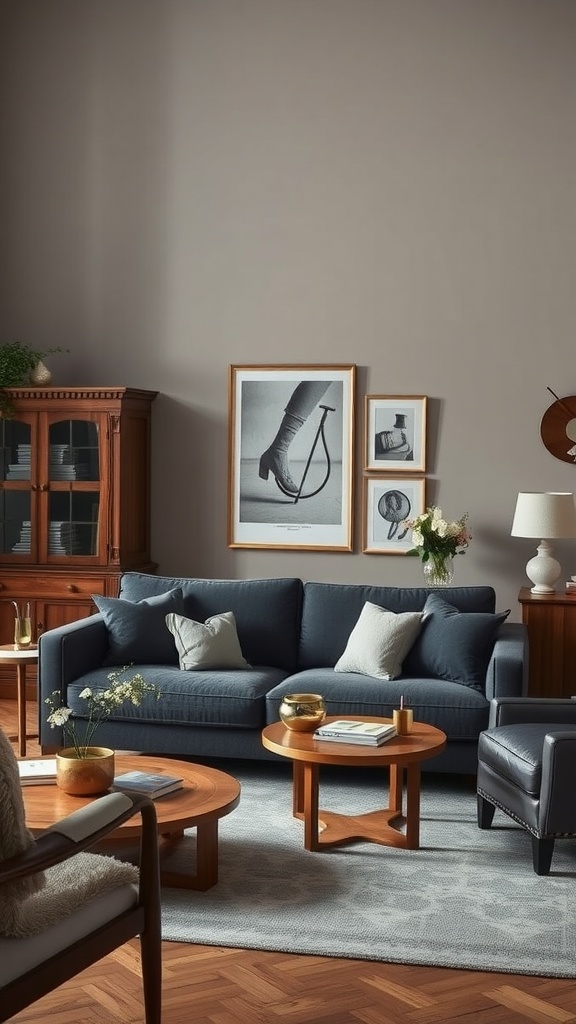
column 65, row 654
column 507, row 674
column 523, row 710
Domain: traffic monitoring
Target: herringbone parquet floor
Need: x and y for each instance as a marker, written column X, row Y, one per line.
column 213, row 985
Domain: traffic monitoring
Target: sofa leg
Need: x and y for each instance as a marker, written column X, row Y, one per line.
column 485, row 811
column 542, row 850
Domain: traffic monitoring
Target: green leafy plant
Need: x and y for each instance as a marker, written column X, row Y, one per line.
column 16, row 363
column 100, row 705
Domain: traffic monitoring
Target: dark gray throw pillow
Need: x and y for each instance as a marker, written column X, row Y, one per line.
column 453, row 645
column 137, row 630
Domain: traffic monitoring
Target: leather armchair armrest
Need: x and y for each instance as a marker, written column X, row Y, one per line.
column 556, row 810
column 521, row 710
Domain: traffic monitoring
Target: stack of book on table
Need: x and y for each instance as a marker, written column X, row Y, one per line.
column 369, row 734
column 147, row 784
column 35, row 772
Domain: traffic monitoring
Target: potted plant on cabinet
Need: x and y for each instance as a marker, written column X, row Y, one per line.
column 18, row 362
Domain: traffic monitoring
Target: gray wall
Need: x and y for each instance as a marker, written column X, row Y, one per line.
column 186, row 184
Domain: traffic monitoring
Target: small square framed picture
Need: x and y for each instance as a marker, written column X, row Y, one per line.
column 395, row 433
column 388, row 506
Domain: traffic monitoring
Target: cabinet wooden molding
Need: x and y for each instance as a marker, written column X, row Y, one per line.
column 551, row 624
column 74, row 500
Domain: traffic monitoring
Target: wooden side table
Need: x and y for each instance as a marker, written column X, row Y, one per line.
column 20, row 657
column 551, row 623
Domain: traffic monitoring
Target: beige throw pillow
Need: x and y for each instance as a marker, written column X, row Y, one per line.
column 379, row 642
column 210, row 644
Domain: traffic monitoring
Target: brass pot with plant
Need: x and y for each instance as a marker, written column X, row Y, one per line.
column 81, row 768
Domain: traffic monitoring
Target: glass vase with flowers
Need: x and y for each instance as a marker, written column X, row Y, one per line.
column 436, row 541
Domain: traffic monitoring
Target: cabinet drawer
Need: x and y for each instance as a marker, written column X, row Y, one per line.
column 50, row 585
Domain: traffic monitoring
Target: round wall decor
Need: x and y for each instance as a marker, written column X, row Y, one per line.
column 558, row 429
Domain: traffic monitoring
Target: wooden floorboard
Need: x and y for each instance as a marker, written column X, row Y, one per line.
column 215, row 985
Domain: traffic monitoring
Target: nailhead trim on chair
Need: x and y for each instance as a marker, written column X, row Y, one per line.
column 534, row 832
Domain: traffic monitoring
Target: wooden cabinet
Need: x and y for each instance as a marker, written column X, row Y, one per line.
column 74, row 500
column 551, row 622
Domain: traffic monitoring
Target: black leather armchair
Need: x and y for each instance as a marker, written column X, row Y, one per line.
column 527, row 767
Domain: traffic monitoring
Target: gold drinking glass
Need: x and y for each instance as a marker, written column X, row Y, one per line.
column 22, row 631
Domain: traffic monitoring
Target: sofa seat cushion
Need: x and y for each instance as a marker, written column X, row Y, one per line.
column 267, row 612
column 514, row 752
column 231, row 697
column 459, row 711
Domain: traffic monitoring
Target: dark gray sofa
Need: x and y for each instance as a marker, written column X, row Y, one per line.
column 292, row 634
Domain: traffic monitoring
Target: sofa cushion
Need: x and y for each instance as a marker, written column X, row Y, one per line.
column 461, row 712
column 267, row 611
column 379, row 642
column 331, row 610
column 210, row 644
column 229, row 698
column 454, row 645
column 137, row 630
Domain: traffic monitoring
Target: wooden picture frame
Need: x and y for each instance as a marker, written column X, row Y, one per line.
column 395, row 433
column 291, row 438
column 388, row 504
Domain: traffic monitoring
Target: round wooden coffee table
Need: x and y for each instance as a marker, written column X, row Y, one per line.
column 207, row 795
column 403, row 755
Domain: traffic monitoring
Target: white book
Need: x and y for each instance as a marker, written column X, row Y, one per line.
column 356, row 741
column 351, row 729
column 35, row 772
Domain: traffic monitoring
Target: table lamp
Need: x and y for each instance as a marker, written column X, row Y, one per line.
column 547, row 516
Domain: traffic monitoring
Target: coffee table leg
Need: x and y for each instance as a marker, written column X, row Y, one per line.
column 305, row 779
column 21, row 691
column 310, row 793
column 413, row 806
column 206, row 861
column 396, row 778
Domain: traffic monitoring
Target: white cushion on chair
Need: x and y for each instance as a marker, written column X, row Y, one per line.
column 17, row 956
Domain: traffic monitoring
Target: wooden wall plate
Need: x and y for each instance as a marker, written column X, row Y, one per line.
column 558, row 429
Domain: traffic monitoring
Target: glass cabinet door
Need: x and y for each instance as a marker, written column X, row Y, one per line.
column 16, row 494
column 73, row 488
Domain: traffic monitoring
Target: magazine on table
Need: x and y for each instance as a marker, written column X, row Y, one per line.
column 349, row 731
column 147, row 783
column 37, row 771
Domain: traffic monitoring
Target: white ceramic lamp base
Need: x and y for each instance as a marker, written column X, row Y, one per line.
column 544, row 570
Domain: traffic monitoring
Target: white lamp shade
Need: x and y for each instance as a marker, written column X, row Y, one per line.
column 544, row 515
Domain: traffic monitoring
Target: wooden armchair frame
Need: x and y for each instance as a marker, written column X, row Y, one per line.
column 142, row 919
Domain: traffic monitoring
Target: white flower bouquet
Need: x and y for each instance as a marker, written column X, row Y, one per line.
column 100, row 705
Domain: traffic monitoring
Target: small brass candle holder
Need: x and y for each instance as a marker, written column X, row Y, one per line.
column 403, row 720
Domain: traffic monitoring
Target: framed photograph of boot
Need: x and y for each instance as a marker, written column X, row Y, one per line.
column 395, row 433
column 291, row 438
column 389, row 504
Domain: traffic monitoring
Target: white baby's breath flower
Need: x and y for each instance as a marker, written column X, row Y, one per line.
column 86, row 693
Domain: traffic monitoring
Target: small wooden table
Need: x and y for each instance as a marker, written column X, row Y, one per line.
column 207, row 796
column 21, row 657
column 402, row 755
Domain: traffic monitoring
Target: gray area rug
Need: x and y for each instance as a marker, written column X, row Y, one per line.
column 467, row 898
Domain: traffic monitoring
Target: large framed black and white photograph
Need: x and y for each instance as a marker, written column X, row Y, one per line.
column 290, row 456
column 388, row 506
column 395, row 433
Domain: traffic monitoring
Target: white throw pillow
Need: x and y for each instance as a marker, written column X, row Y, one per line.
column 379, row 642
column 210, row 644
